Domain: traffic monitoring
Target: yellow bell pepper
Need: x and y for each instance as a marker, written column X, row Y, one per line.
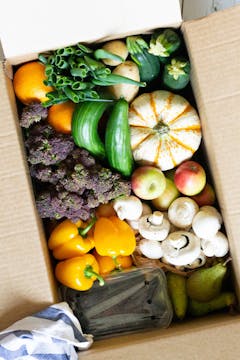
column 70, row 239
column 78, row 273
column 107, row 264
column 113, row 237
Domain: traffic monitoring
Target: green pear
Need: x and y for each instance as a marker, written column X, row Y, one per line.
column 206, row 283
column 178, row 294
column 197, row 308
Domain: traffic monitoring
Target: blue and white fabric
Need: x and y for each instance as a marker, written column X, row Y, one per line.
column 52, row 334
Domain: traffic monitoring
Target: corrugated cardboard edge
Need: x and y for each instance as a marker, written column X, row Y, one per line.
column 49, row 25
column 27, row 283
column 214, row 336
column 213, row 45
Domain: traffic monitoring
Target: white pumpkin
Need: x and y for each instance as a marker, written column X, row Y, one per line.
column 165, row 129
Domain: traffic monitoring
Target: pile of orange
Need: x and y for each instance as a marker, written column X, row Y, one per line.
column 28, row 83
column 29, row 88
column 60, row 116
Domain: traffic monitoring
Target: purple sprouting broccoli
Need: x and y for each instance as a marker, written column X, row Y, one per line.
column 51, row 174
column 56, row 205
column 32, row 114
column 46, row 146
column 80, row 186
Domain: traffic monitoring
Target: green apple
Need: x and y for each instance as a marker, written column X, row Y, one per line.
column 170, row 193
column 148, row 182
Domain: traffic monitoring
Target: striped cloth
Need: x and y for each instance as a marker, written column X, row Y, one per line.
column 51, row 334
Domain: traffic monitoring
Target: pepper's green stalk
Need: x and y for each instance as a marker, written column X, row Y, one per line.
column 83, row 231
column 89, row 273
column 164, row 43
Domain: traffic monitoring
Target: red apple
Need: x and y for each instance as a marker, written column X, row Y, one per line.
column 170, row 193
column 190, row 178
column 148, row 182
column 206, row 196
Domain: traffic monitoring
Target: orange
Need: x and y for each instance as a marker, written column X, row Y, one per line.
column 28, row 83
column 60, row 116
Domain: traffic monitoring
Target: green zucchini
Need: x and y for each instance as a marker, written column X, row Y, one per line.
column 85, row 121
column 117, row 139
column 164, row 43
column 148, row 64
column 176, row 74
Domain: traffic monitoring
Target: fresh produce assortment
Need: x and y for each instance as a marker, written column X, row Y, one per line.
column 113, row 143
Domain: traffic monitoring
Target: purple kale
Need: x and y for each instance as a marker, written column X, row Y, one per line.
column 32, row 114
column 46, row 146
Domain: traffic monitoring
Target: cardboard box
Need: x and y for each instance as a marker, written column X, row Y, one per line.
column 27, row 283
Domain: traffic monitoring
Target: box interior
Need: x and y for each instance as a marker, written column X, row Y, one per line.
column 216, row 89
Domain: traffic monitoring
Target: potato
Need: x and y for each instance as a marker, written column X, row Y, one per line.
column 128, row 92
column 116, row 47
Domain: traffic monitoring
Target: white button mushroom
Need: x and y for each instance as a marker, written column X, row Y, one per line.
column 182, row 211
column 207, row 222
column 128, row 207
column 146, row 210
column 181, row 248
column 154, row 226
column 150, row 248
column 200, row 261
column 217, row 245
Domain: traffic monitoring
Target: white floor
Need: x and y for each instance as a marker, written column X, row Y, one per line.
column 192, row 9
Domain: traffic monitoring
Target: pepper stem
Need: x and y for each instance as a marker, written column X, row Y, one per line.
column 89, row 273
column 117, row 265
column 83, row 231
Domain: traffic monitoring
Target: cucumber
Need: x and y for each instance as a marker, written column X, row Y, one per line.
column 117, row 139
column 148, row 64
column 85, row 121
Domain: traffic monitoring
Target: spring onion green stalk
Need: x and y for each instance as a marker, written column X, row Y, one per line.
column 104, row 54
column 65, row 51
column 114, row 79
column 76, row 74
column 164, row 43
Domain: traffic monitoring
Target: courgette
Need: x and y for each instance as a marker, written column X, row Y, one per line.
column 148, row 64
column 85, row 121
column 117, row 139
column 176, row 74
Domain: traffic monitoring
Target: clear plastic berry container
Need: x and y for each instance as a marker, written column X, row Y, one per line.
column 129, row 301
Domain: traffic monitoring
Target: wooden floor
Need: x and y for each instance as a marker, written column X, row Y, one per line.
column 193, row 9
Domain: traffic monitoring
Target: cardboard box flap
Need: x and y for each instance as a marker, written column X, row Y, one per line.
column 26, row 279
column 40, row 26
column 214, row 46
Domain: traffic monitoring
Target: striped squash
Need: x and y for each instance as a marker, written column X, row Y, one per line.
column 165, row 129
